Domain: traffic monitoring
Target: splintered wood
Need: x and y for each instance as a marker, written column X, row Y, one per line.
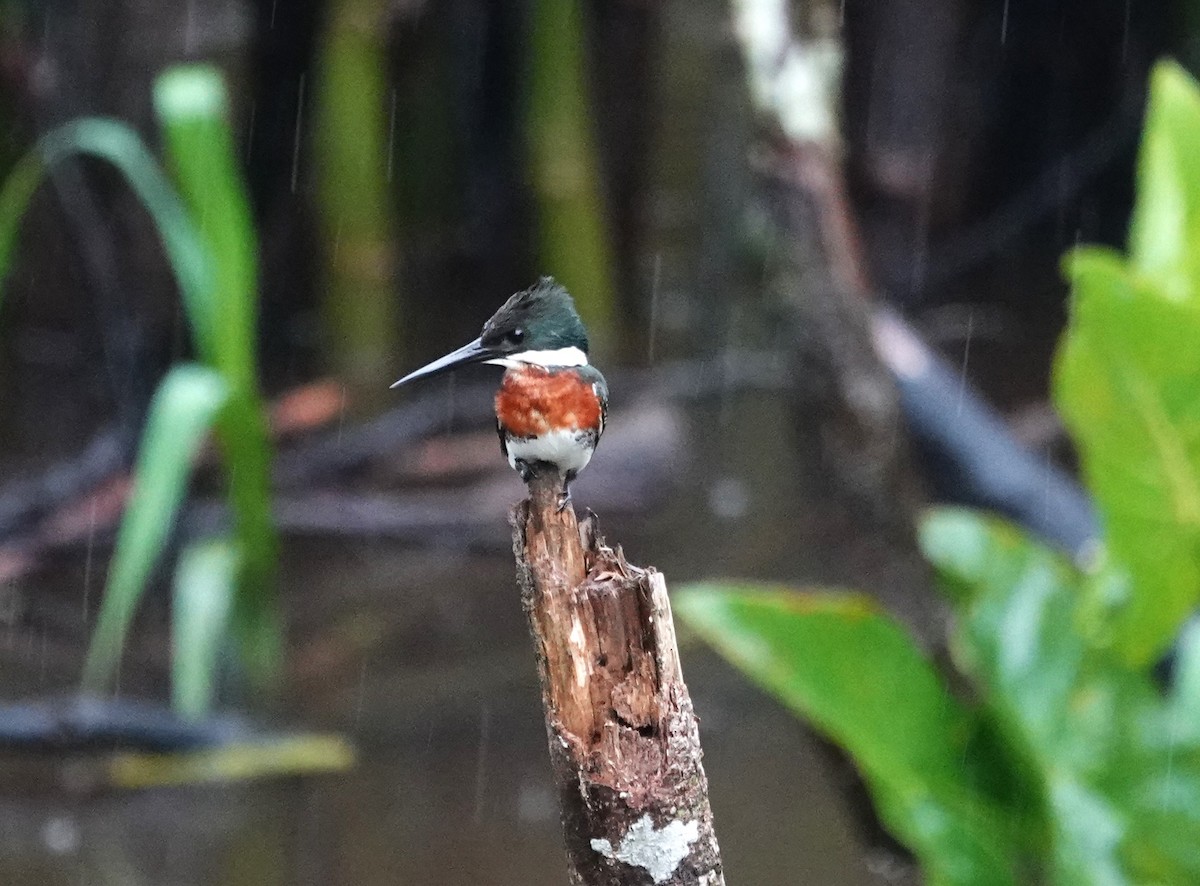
column 623, row 738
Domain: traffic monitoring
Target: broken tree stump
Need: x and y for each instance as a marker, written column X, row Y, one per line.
column 624, row 744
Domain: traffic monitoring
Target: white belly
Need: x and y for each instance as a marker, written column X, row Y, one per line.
column 569, row 450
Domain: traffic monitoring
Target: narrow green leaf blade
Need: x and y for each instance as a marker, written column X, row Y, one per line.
column 183, row 410
column 117, row 144
column 18, row 190
column 858, row 677
column 205, row 586
column 193, row 109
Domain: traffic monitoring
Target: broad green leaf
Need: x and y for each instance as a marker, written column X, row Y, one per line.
column 855, row 674
column 193, row 109
column 1128, row 386
column 205, row 586
column 183, row 411
column 1093, row 728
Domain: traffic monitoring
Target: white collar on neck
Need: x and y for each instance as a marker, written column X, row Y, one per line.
column 559, row 357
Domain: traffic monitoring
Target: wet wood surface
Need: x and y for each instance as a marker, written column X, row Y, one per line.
column 623, row 737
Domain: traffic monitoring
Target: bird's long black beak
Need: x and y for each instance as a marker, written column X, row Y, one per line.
column 473, row 352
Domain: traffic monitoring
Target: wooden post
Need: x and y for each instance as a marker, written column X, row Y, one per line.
column 624, row 745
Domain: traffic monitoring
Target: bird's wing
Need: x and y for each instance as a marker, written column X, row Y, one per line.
column 600, row 386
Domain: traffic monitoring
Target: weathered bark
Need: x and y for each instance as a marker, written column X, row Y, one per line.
column 623, row 738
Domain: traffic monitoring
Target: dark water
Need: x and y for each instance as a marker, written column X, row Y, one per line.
column 420, row 654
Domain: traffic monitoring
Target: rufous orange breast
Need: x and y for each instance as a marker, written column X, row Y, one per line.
column 535, row 400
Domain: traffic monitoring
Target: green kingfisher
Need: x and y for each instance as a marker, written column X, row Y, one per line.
column 552, row 404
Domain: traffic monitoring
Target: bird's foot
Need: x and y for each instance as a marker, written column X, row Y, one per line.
column 564, row 497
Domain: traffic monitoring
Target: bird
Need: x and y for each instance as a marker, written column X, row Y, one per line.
column 552, row 404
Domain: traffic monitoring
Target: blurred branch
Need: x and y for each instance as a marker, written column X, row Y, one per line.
column 81, row 500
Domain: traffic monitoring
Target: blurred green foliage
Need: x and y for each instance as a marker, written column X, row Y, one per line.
column 1069, row 763
column 573, row 232
column 205, row 226
column 1128, row 387
column 352, row 139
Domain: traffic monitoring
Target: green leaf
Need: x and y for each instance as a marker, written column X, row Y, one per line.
column 18, row 190
column 193, row 109
column 1165, row 227
column 842, row 664
column 1128, row 388
column 1128, row 384
column 120, row 146
column 205, row 586
column 1118, row 784
column 183, row 410
column 215, row 267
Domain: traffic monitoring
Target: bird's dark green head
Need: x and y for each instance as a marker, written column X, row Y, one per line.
column 536, row 325
column 540, row 318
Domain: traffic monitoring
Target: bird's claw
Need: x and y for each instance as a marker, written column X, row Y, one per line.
column 564, row 499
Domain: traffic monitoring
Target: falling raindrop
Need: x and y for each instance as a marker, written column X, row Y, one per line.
column 341, row 427
column 250, row 131
column 1004, row 24
column 921, row 246
column 362, row 687
column 391, row 136
column 485, row 727
column 655, row 280
column 189, row 29
column 962, row 372
column 1046, row 475
column 1125, row 31
column 87, row 560
column 296, row 136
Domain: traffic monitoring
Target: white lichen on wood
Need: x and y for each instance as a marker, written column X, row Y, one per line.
column 657, row 850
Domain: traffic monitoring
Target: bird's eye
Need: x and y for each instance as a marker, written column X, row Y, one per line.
column 516, row 336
